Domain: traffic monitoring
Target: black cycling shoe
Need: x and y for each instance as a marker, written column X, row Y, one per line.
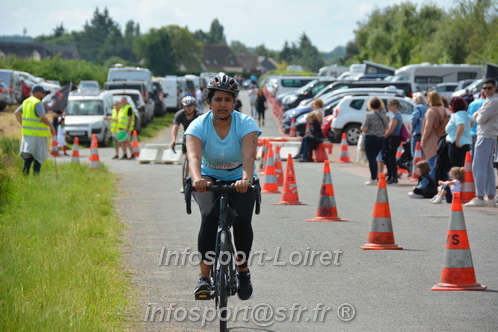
column 203, row 289
column 245, row 286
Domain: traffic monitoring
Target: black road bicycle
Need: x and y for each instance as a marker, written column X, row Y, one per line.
column 184, row 165
column 224, row 276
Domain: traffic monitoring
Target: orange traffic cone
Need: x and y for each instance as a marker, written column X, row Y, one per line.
column 307, row 131
column 381, row 236
column 416, row 158
column 327, row 210
column 399, row 152
column 468, row 186
column 289, row 192
column 292, row 132
column 54, row 147
column 344, row 158
column 94, row 138
column 263, row 157
column 135, row 148
column 278, row 166
column 94, row 156
column 270, row 186
column 75, row 156
column 458, row 269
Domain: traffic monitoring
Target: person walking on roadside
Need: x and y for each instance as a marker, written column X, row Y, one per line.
column 474, row 107
column 374, row 127
column 126, row 122
column 487, row 133
column 261, row 107
column 36, row 129
column 253, row 93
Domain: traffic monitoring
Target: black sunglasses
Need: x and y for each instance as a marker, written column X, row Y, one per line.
column 487, row 87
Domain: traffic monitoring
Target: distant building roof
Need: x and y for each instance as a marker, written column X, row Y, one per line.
column 266, row 64
column 26, row 50
column 220, row 58
column 249, row 62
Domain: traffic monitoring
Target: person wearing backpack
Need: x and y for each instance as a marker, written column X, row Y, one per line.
column 433, row 127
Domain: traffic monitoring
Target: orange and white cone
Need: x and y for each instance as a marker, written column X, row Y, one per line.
column 262, row 164
column 327, row 209
column 94, row 156
column 135, row 148
column 278, row 166
column 399, row 153
column 416, row 158
column 54, row 147
column 289, row 191
column 270, row 186
column 307, row 131
column 94, row 138
column 381, row 236
column 468, row 191
column 292, row 132
column 458, row 269
column 75, row 155
column 344, row 158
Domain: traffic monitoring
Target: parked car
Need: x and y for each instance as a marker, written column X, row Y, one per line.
column 4, row 95
column 310, row 90
column 329, row 100
column 148, row 111
column 89, row 85
column 13, row 81
column 445, row 89
column 138, row 102
column 285, row 84
column 158, row 97
column 85, row 115
column 474, row 88
column 350, row 113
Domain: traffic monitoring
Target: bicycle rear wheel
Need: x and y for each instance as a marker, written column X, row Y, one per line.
column 223, row 282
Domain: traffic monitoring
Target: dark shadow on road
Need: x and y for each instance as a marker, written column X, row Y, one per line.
column 234, row 329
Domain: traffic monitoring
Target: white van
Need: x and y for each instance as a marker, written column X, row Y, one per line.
column 284, row 84
column 195, row 79
column 170, row 89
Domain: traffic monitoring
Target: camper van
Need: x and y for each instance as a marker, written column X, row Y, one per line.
column 425, row 75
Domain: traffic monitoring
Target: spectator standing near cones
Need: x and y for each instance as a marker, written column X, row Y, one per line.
column 222, row 145
column 36, row 129
column 392, row 141
column 474, row 107
column 126, row 122
column 433, row 127
column 417, row 119
column 374, row 127
column 114, row 126
column 487, row 132
column 253, row 93
column 458, row 132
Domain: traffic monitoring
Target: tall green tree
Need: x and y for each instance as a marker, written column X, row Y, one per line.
column 238, row 47
column 215, row 35
column 185, row 48
column 155, row 48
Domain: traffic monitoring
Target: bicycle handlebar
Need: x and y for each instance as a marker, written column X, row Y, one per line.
column 177, row 143
column 223, row 188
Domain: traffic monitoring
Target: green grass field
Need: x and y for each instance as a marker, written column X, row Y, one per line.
column 60, row 262
column 155, row 125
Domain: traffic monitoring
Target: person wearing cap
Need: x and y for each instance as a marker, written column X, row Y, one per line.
column 36, row 129
column 184, row 117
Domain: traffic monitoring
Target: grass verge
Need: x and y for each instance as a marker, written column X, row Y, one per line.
column 60, row 265
column 156, row 125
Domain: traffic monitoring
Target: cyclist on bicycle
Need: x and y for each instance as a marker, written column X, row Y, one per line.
column 184, row 117
column 222, row 145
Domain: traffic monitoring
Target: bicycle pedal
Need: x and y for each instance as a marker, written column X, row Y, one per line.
column 204, row 296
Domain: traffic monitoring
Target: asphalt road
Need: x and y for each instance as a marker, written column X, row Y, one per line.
column 389, row 290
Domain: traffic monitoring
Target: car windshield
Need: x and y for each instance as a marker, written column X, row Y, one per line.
column 304, row 88
column 89, row 85
column 85, row 107
column 134, row 97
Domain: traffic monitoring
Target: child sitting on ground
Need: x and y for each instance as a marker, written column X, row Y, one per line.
column 448, row 188
column 426, row 187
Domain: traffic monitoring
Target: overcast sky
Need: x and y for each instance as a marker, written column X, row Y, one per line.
column 328, row 23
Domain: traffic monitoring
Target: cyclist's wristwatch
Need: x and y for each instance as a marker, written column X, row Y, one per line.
column 248, row 180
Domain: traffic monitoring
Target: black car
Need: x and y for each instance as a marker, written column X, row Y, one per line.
column 308, row 91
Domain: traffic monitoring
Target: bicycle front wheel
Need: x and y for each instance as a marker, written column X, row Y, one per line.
column 223, row 280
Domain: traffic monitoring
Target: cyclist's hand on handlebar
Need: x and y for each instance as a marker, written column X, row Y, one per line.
column 241, row 185
column 172, row 144
column 201, row 185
